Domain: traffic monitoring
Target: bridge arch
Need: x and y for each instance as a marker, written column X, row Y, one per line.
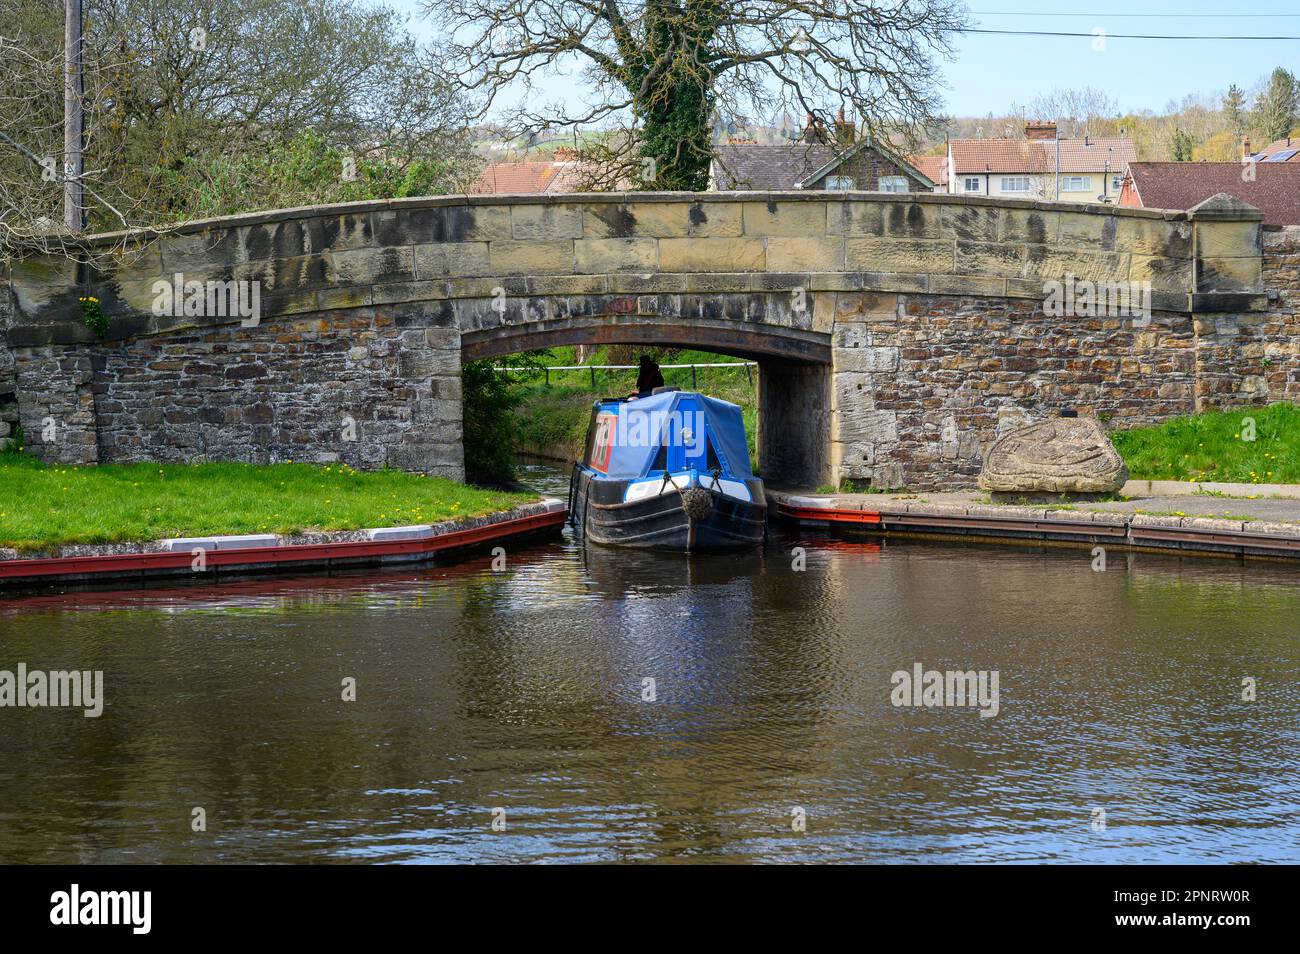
column 918, row 321
column 794, row 375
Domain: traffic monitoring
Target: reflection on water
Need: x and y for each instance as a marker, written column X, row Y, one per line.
column 523, row 690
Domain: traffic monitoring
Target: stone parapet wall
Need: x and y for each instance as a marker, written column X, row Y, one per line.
column 375, row 253
column 1280, row 330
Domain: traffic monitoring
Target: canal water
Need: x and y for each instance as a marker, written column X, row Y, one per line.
column 607, row 706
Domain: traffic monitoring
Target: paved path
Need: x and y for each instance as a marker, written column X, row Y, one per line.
column 1236, row 526
column 1270, row 509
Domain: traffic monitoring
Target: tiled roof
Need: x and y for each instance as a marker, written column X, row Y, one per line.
column 1181, row 185
column 1090, row 155
column 1039, row 155
column 996, row 155
column 779, row 168
column 934, row 168
column 1291, row 144
column 794, row 165
column 525, row 178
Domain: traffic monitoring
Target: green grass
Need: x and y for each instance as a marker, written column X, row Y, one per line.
column 1210, row 447
column 43, row 506
column 557, row 415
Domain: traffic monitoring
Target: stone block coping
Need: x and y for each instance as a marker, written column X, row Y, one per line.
column 229, row 542
column 625, row 198
column 414, row 532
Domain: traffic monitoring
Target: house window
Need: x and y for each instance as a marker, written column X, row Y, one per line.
column 1015, row 183
column 893, row 183
column 1117, row 182
column 1076, row 183
column 972, row 184
column 839, row 182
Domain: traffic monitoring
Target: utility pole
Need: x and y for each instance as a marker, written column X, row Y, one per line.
column 73, row 88
column 1058, row 159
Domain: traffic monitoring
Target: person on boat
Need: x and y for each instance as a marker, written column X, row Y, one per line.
column 648, row 377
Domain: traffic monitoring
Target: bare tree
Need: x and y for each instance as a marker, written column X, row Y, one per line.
column 1077, row 111
column 36, row 173
column 668, row 68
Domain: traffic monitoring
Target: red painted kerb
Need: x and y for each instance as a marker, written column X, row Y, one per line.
column 122, row 564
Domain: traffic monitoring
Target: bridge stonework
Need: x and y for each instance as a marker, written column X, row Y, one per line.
column 897, row 335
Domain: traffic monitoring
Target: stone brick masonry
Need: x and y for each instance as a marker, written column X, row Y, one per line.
column 897, row 335
column 8, row 383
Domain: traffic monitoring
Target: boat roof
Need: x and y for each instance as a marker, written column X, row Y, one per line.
column 645, row 424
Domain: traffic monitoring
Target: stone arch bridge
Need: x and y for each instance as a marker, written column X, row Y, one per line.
column 896, row 335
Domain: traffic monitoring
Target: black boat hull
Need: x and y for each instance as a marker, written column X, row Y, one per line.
column 661, row 522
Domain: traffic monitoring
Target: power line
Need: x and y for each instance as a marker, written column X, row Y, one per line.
column 1150, row 16
column 1121, row 36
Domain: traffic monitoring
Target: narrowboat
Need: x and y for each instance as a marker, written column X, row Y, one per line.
column 667, row 471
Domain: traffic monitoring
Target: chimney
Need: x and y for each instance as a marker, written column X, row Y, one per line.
column 813, row 130
column 1036, row 129
column 844, row 129
column 1245, row 147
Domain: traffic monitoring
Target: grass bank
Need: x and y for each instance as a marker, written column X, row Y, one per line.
column 552, row 418
column 1217, row 446
column 45, row 506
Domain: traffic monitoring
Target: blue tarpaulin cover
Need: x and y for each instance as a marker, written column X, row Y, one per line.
column 644, row 423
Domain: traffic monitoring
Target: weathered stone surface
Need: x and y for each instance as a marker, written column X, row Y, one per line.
column 546, row 222
column 788, row 254
column 531, row 258
column 974, row 223
column 377, row 266
column 1061, row 455
column 451, row 259
column 763, row 219
column 616, row 255
column 711, row 254
column 1003, row 259
column 899, row 255
column 663, row 220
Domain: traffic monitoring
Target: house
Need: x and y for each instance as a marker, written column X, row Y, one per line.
column 934, row 168
column 1271, row 187
column 817, row 160
column 1040, row 166
column 562, row 174
column 1280, row 150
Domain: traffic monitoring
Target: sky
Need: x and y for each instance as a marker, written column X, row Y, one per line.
column 990, row 72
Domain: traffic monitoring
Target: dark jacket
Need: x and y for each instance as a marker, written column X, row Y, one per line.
column 649, row 377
